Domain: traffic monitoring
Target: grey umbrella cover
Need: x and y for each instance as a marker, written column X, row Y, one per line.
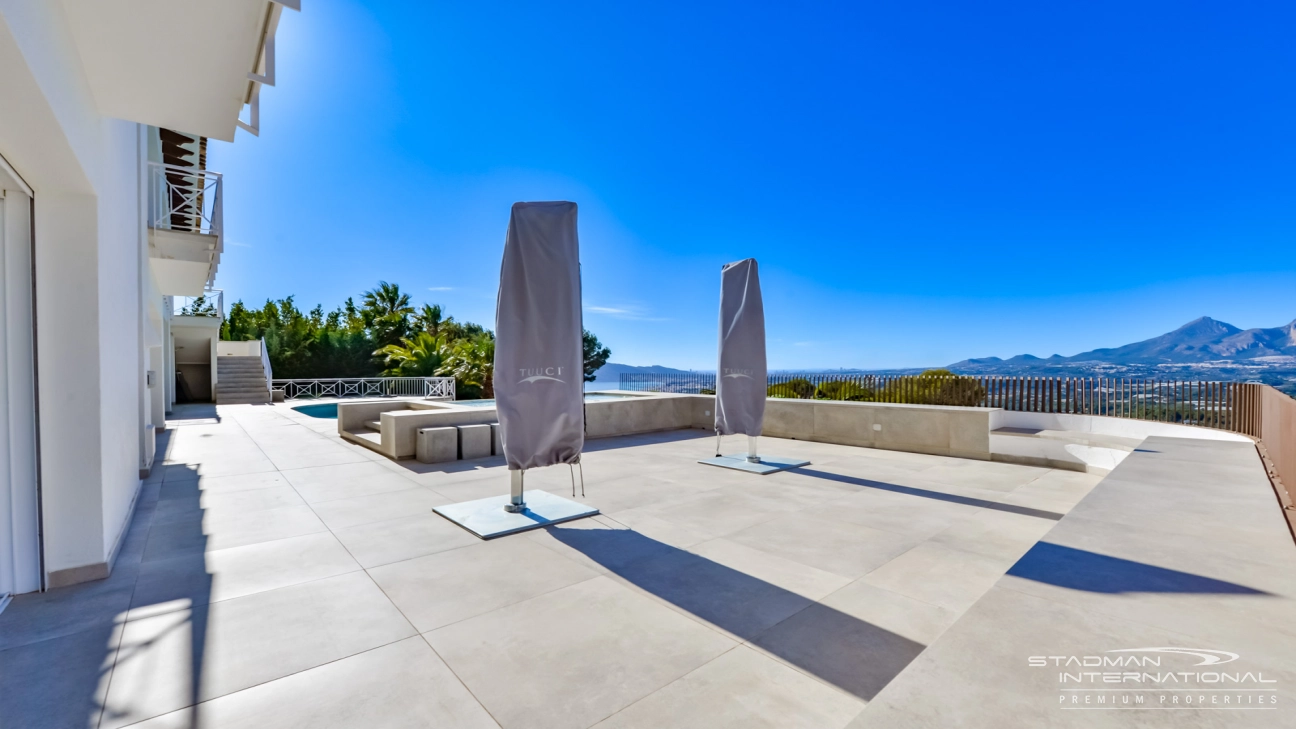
column 740, row 377
column 539, row 378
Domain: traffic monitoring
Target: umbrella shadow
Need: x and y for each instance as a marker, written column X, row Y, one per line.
column 1080, row 569
column 838, row 648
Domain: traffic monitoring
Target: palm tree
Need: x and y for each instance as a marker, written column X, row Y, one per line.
column 431, row 319
column 418, row 356
column 387, row 300
column 386, row 313
column 472, row 363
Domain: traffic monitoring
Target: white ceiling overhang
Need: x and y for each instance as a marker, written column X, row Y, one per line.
column 187, row 65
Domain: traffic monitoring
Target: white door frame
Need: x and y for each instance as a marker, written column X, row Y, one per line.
column 20, row 548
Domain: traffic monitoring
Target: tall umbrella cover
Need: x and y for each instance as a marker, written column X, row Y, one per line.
column 740, row 378
column 539, row 378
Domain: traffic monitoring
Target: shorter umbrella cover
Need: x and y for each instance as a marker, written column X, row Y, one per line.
column 740, row 377
column 539, row 377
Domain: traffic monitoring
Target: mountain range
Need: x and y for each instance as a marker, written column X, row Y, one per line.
column 1199, row 341
column 612, row 371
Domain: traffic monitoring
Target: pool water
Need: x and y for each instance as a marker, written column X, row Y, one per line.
column 329, row 409
column 322, row 410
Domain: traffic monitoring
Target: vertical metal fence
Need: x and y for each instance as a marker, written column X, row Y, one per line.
column 1223, row 405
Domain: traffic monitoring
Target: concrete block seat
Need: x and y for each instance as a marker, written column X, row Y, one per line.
column 397, row 421
column 436, row 445
column 474, row 441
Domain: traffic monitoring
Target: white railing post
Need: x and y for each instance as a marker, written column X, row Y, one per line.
column 265, row 365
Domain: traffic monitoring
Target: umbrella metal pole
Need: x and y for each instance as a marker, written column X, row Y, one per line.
column 516, row 504
column 718, row 439
column 751, row 450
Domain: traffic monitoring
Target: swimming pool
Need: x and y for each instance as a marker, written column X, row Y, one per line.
column 319, row 410
column 329, row 409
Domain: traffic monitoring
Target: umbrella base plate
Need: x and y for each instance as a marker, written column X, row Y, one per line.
column 487, row 519
column 766, row 465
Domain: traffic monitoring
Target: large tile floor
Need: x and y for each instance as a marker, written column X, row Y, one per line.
column 276, row 576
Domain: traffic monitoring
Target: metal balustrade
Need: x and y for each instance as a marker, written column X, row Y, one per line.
column 184, row 199
column 431, row 388
column 1210, row 404
column 210, row 303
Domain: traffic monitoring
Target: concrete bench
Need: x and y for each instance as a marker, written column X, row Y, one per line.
column 436, row 445
column 497, row 448
column 474, row 441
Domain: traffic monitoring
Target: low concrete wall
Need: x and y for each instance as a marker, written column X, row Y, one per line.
column 646, row 413
column 1092, row 443
column 400, row 420
column 1103, row 425
column 238, row 349
column 933, row 429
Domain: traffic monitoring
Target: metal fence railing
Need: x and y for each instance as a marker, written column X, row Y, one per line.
column 184, row 199
column 432, row 388
column 211, row 302
column 1222, row 405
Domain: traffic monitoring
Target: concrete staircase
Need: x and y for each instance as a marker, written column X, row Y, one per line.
column 240, row 380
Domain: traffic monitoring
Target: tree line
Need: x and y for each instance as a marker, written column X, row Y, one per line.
column 385, row 335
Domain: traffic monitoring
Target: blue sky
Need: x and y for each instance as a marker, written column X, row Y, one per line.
column 921, row 182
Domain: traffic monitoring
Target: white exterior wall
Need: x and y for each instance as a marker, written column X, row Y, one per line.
column 100, row 321
column 122, row 238
column 84, row 170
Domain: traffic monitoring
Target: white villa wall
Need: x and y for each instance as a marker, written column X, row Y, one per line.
column 100, row 321
column 122, row 237
column 84, row 171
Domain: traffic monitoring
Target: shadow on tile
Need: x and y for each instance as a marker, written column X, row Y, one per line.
column 838, row 648
column 60, row 678
column 1079, row 569
column 928, row 494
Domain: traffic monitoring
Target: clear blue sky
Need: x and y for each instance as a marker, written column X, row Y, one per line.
column 921, row 182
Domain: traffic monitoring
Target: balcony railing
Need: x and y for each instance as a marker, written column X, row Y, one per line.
column 184, row 199
column 432, row 388
column 210, row 303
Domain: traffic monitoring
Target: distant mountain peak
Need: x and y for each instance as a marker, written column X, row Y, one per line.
column 1201, row 340
column 1205, row 324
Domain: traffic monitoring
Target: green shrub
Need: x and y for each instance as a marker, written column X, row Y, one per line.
column 935, row 387
column 798, row 388
column 843, row 390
